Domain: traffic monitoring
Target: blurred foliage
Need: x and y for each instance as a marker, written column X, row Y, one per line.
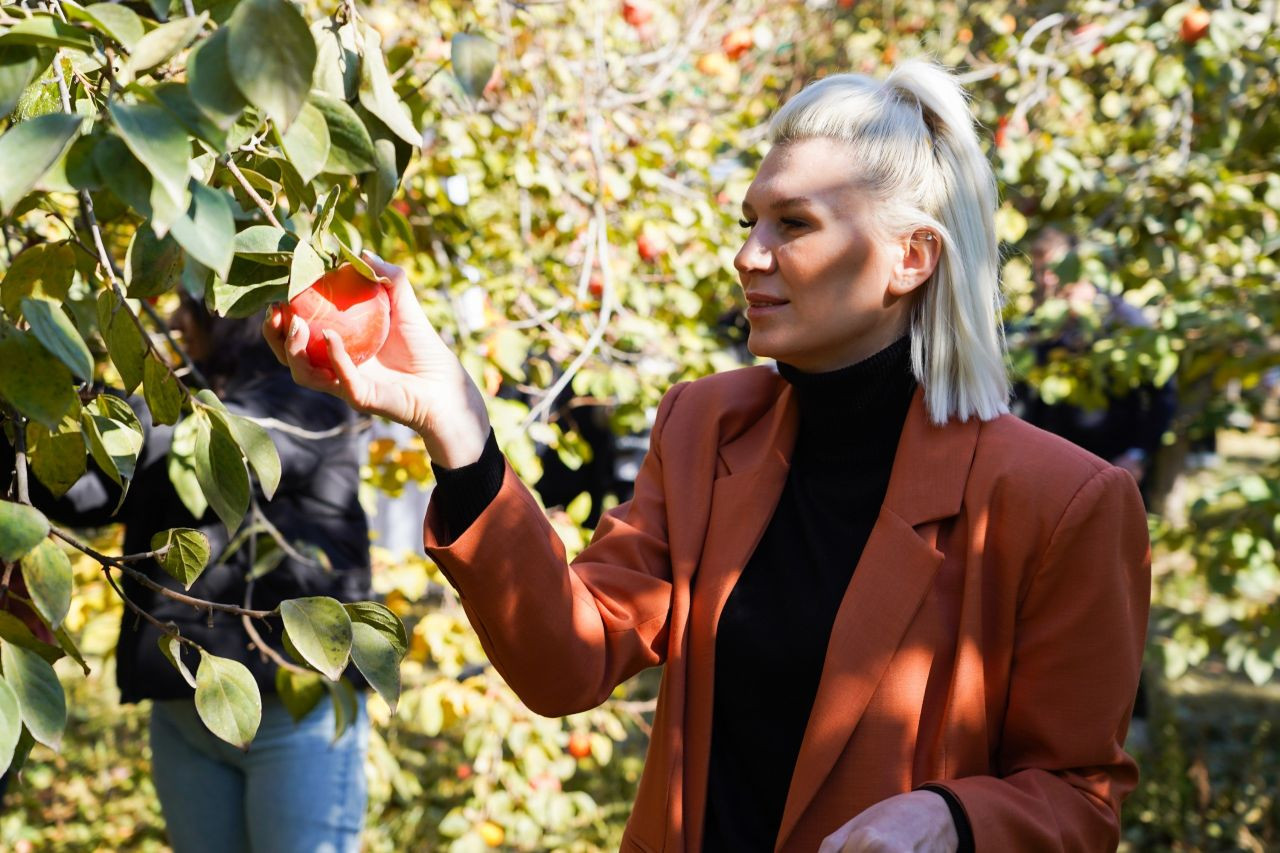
column 573, row 221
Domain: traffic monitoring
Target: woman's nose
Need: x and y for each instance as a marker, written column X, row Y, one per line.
column 754, row 256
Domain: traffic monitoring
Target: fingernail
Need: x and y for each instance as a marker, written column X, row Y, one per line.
column 296, row 327
column 375, row 256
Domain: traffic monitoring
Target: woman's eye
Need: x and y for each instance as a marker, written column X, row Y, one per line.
column 745, row 224
column 794, row 223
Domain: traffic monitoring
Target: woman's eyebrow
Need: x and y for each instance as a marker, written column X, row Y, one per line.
column 794, row 201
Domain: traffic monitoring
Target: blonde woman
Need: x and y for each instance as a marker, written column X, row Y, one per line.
column 891, row 615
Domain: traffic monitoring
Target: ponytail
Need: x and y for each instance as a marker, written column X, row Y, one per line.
column 917, row 151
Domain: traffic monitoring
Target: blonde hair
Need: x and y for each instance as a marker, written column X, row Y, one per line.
column 916, row 149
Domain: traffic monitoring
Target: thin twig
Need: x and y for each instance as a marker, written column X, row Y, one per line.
column 160, row 589
column 251, row 629
column 168, row 629
column 253, row 193
column 360, row 425
column 20, row 458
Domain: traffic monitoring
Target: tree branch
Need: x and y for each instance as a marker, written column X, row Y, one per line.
column 141, row 578
column 253, row 193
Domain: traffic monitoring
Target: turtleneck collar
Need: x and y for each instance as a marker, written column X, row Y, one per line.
column 856, row 409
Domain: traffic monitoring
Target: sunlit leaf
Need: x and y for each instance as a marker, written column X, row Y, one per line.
column 272, row 57
column 47, row 573
column 160, row 45
column 22, row 528
column 321, row 632
column 351, row 148
column 54, row 329
column 28, row 150
column 41, row 702
column 171, row 648
column 186, row 553
column 32, row 380
column 299, row 692
column 209, row 80
column 10, row 723
column 227, row 699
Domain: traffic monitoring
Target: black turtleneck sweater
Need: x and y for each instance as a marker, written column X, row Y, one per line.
column 772, row 636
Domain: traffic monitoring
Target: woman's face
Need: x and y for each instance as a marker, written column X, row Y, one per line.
column 824, row 289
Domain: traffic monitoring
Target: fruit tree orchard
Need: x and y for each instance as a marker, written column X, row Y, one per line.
column 562, row 181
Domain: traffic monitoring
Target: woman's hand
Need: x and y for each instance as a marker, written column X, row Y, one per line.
column 415, row 379
column 916, row 822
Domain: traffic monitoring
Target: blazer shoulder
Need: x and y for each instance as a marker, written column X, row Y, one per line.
column 1018, row 453
column 741, row 394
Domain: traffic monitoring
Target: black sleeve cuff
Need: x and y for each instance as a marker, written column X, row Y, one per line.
column 963, row 830
column 461, row 494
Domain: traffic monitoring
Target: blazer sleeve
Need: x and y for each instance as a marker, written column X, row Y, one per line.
column 1077, row 655
column 563, row 637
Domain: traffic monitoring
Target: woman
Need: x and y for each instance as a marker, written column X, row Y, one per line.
column 892, row 617
column 295, row 788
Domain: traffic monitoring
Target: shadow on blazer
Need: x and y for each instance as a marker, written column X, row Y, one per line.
column 990, row 640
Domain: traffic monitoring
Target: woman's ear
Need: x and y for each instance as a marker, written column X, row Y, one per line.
column 921, row 250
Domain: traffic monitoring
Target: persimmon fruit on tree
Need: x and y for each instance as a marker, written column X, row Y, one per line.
column 344, row 301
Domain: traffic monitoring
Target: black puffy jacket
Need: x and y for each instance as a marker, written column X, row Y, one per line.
column 316, row 502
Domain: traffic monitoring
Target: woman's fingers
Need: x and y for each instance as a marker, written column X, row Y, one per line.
column 404, row 301
column 304, row 373
column 273, row 331
column 354, row 386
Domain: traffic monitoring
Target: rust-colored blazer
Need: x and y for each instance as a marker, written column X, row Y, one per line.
column 990, row 639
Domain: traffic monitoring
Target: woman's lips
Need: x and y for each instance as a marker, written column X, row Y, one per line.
column 762, row 306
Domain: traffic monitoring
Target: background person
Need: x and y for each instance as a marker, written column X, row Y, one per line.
column 891, row 616
column 295, row 788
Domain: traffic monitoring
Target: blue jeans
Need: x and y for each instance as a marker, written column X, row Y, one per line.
column 295, row 790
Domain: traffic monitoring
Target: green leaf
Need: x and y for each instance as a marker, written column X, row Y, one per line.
column 45, row 269
column 208, row 229
column 321, row 632
column 356, row 261
column 182, row 467
column 220, row 470
column 120, row 23
column 265, row 244
column 45, row 31
column 171, row 648
column 186, row 553
column 306, row 144
column 376, row 93
column 69, row 646
column 382, row 184
column 121, row 172
column 53, row 328
column 351, row 148
column 19, row 65
column 306, row 267
column 42, row 703
column 159, row 143
column 177, row 99
column 227, row 699
column 376, row 658
column 10, row 723
column 12, row 630
column 299, row 692
column 159, row 45
column 161, row 390
column 260, row 450
column 22, row 528
column 28, row 150
column 33, row 381
column 57, row 456
column 473, row 59
column 346, row 707
column 125, row 344
column 272, row 57
column 152, row 264
column 236, row 301
column 337, row 59
column 381, row 618
column 114, row 436
column 47, row 573
column 209, row 79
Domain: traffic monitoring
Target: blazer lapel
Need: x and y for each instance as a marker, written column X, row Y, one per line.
column 893, row 575
column 741, row 506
